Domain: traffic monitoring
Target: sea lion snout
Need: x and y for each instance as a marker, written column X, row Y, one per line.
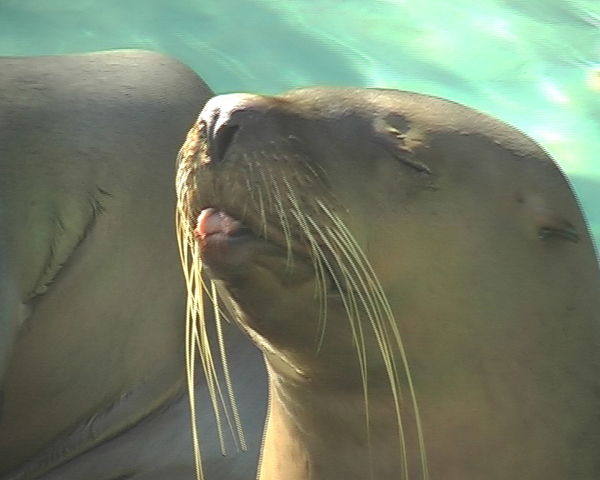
column 226, row 116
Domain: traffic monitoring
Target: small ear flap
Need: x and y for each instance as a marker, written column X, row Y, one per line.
column 556, row 226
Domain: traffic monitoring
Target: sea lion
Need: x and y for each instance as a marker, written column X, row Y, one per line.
column 418, row 276
column 92, row 295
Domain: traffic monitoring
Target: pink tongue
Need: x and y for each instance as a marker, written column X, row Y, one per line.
column 211, row 221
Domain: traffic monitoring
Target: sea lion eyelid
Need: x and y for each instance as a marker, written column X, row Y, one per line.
column 401, row 151
column 415, row 165
column 557, row 226
column 562, row 233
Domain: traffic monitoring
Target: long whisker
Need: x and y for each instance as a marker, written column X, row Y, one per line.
column 196, row 336
column 316, row 256
column 350, row 305
column 193, row 304
column 282, row 214
column 367, row 272
column 232, row 402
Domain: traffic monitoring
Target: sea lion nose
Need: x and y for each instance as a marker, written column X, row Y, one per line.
column 225, row 115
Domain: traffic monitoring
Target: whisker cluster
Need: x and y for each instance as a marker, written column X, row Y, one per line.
column 274, row 198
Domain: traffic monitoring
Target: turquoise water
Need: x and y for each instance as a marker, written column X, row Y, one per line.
column 532, row 63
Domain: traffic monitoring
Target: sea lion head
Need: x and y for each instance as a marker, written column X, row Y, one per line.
column 362, row 237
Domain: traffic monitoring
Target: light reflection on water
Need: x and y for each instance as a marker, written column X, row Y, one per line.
column 535, row 65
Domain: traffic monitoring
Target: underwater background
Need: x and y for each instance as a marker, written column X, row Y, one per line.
column 532, row 63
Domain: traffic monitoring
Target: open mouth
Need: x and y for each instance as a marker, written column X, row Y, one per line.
column 217, row 226
column 221, row 235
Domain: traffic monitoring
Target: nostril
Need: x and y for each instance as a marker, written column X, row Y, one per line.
column 225, row 117
column 221, row 140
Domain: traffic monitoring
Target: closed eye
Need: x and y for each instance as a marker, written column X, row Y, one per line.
column 562, row 233
column 403, row 153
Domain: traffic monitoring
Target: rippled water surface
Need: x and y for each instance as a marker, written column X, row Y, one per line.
column 532, row 63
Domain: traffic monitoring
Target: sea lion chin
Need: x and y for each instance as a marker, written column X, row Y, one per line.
column 418, row 275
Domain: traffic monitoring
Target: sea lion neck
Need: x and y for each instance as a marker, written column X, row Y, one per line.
column 324, row 430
